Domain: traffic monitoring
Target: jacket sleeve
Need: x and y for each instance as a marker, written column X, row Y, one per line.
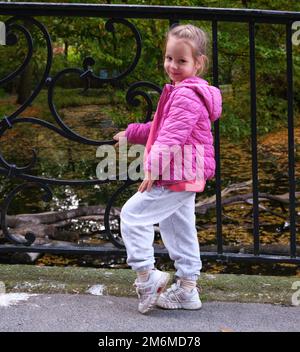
column 137, row 133
column 184, row 112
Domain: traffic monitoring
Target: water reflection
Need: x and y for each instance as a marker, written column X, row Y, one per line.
column 59, row 158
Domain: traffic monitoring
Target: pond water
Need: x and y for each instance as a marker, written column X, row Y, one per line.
column 63, row 159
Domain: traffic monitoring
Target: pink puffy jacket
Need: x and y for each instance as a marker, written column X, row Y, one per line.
column 183, row 118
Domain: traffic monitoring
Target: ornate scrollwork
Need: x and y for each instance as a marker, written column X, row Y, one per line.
column 132, row 93
column 29, row 236
column 109, row 26
column 112, row 229
column 12, row 39
column 85, row 74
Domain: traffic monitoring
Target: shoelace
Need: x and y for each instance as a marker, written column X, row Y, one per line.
column 140, row 290
column 171, row 291
column 142, row 293
column 175, row 291
column 199, row 289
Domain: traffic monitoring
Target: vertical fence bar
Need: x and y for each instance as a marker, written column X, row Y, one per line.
column 254, row 138
column 217, row 141
column 291, row 146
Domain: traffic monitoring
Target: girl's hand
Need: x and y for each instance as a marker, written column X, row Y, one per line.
column 147, row 183
column 119, row 135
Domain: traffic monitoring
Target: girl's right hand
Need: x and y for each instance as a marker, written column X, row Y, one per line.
column 119, row 135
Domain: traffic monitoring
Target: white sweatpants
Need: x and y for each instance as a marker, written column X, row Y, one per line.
column 175, row 214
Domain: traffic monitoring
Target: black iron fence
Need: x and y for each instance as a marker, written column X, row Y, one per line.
column 122, row 14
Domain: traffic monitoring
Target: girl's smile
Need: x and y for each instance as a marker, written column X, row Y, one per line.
column 179, row 60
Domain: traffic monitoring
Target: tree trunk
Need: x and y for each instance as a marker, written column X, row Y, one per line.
column 25, row 82
column 24, row 87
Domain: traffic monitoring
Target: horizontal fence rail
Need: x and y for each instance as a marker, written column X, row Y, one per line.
column 122, row 14
column 145, row 11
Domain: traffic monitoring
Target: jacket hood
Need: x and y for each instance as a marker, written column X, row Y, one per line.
column 210, row 95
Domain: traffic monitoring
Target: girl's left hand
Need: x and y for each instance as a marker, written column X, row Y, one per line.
column 117, row 137
column 147, row 183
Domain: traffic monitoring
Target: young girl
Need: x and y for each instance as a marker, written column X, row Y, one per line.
column 183, row 119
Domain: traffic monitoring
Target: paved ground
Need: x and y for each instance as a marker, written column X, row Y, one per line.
column 65, row 312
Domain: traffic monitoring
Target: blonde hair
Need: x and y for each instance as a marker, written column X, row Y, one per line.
column 194, row 36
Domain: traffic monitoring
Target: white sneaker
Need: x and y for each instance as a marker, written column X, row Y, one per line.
column 149, row 291
column 178, row 298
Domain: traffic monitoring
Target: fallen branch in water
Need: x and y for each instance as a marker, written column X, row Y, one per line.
column 204, row 205
column 49, row 226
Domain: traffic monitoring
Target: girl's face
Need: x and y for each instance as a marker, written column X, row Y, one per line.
column 179, row 61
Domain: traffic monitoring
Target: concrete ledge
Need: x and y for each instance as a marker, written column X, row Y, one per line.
column 118, row 282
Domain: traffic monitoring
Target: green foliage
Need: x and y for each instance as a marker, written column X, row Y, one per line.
column 115, row 51
column 5, row 109
column 2, row 93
